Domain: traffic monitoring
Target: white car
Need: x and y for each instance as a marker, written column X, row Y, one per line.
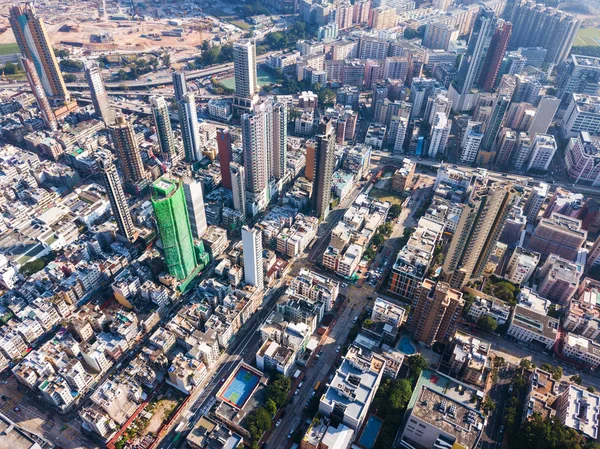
column 338, row 349
column 277, row 423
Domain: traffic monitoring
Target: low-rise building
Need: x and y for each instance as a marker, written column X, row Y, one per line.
column 584, row 351
column 353, row 387
column 529, row 320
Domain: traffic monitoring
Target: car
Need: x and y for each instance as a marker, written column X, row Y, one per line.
column 344, row 285
column 290, row 435
column 222, row 380
column 296, row 392
column 300, row 385
column 17, row 409
column 283, row 414
column 338, row 349
column 277, row 423
column 312, row 395
column 501, row 430
column 510, row 389
column 355, row 319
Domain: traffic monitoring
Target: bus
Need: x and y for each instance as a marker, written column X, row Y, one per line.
column 318, row 384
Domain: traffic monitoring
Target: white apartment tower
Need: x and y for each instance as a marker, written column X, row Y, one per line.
column 238, row 187
column 188, row 120
column 194, row 201
column 98, row 93
column 164, row 131
column 252, row 249
column 244, row 68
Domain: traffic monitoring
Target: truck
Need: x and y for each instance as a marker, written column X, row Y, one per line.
column 297, row 374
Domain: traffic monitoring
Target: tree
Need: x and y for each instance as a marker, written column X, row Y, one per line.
column 400, row 394
column 166, row 59
column 394, row 211
column 526, row 364
column 69, row 78
column 488, row 405
column 417, row 363
column 386, row 229
column 378, row 239
column 591, row 389
column 576, row 378
column 10, row 68
column 32, row 267
column 367, row 323
column 369, row 253
column 257, row 423
column 270, row 406
column 469, row 300
column 540, row 433
column 486, row 323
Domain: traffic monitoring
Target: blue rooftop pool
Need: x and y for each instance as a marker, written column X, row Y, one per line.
column 369, row 435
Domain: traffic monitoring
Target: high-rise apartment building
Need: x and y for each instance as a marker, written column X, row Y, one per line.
column 194, row 201
column 494, row 57
column 188, row 120
column 472, row 62
column 477, row 233
column 118, row 202
column 535, row 201
column 578, row 75
column 536, row 25
column 436, row 312
column 162, row 122
column 224, row 147
column 39, row 94
column 181, row 256
column 34, row 44
column 493, row 125
column 253, row 261
column 582, row 114
column 324, row 162
column 471, row 142
column 279, row 159
column 309, row 170
column 546, row 109
column 505, row 143
column 440, row 132
column 128, row 151
column 439, row 34
column 244, row 69
column 238, row 187
column 98, row 93
column 257, row 145
column 560, row 235
column 558, row 279
column 582, row 159
column 179, row 85
column 542, row 151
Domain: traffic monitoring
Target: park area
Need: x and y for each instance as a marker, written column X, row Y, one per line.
column 587, row 37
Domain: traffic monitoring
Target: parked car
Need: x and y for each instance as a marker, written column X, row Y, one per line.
column 277, row 423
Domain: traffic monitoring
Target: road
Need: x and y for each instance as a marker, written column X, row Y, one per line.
column 244, row 347
column 499, row 394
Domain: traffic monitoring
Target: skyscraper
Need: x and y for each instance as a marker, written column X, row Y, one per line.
column 162, row 121
column 279, row 160
column 257, row 146
column 188, row 120
column 30, row 33
column 494, row 57
column 194, row 201
column 224, row 147
column 253, row 263
column 536, row 25
column 324, row 162
column 439, row 134
column 181, row 256
column 128, row 151
column 39, row 94
column 471, row 63
column 238, row 187
column 477, row 233
column 493, row 125
column 118, row 202
column 436, row 312
column 244, row 68
column 179, row 85
column 98, row 93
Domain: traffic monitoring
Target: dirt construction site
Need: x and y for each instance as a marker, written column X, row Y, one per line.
column 149, row 26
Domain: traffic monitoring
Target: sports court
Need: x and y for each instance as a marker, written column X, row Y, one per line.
column 239, row 387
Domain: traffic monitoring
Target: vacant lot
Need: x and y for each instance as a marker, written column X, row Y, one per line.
column 587, row 36
column 384, row 195
column 9, row 49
